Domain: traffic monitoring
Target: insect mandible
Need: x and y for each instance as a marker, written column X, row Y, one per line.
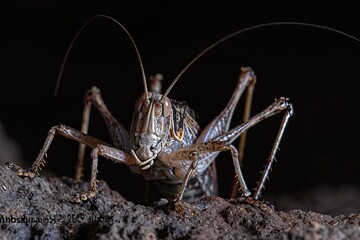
column 165, row 143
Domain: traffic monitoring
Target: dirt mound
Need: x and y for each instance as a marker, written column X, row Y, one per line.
column 42, row 209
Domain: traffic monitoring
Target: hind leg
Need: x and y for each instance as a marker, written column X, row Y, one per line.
column 119, row 134
column 221, row 123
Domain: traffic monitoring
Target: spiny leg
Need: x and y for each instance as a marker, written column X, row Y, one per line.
column 119, row 134
column 246, row 117
column 107, row 152
column 221, row 123
column 93, row 181
column 242, row 139
column 206, row 152
column 81, row 152
column 271, row 110
column 271, row 158
column 182, row 188
column 194, row 153
column 71, row 133
column 40, row 159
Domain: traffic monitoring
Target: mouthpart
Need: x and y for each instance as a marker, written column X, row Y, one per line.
column 143, row 164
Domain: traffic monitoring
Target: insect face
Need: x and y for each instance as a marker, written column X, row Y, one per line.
column 150, row 127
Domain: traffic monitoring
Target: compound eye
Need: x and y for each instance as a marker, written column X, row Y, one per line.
column 167, row 109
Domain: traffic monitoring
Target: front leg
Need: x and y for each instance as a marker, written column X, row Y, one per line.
column 195, row 153
column 108, row 152
column 99, row 148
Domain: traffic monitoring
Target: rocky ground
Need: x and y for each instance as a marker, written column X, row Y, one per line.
column 42, row 209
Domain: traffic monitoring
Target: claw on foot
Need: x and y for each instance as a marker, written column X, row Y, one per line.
column 184, row 209
column 83, row 196
column 19, row 171
column 264, row 206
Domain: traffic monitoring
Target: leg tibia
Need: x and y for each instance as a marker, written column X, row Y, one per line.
column 221, row 123
column 67, row 132
column 119, row 135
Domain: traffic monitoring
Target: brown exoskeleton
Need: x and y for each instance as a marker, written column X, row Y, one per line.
column 165, row 143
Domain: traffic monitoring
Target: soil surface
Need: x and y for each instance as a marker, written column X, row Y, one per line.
column 42, row 209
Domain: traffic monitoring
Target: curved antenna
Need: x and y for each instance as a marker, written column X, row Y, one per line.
column 247, row 30
column 77, row 34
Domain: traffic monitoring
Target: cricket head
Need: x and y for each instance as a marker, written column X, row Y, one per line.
column 150, row 126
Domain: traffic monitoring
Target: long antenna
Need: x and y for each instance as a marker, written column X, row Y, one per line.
column 247, row 30
column 77, row 34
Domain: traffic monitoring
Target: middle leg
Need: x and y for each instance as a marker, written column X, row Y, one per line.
column 204, row 153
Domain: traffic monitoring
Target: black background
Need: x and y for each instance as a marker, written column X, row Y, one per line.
column 317, row 69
